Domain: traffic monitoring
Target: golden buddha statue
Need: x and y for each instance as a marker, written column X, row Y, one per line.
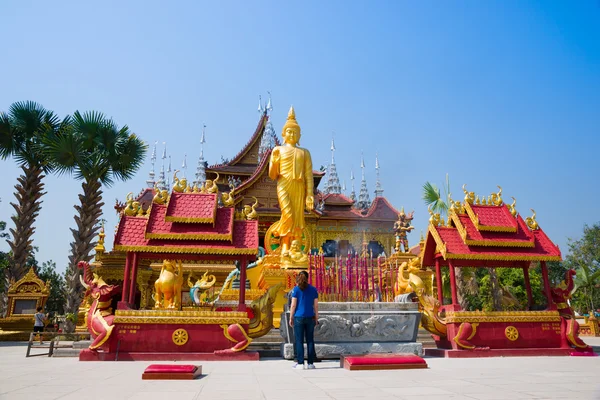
column 295, row 258
column 168, row 285
column 291, row 167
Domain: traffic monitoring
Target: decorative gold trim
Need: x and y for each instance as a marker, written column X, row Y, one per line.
column 182, row 321
column 459, row 335
column 180, row 337
column 502, row 316
column 500, row 257
column 511, row 333
column 30, row 277
column 489, row 228
column 438, row 240
column 190, row 220
column 194, row 236
column 234, row 294
column 185, row 250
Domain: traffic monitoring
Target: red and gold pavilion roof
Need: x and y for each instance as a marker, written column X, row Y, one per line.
column 487, row 232
column 191, row 223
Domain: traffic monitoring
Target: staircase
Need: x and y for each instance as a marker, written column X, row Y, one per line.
column 268, row 345
column 72, row 351
column 424, row 337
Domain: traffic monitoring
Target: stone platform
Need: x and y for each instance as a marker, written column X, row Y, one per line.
column 360, row 328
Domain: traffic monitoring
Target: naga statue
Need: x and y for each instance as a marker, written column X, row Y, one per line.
column 262, row 321
column 201, row 285
column 210, row 186
column 168, row 286
column 402, row 285
column 179, row 185
column 132, row 207
column 228, row 198
column 99, row 318
column 250, row 211
column 431, row 318
column 161, row 196
column 469, row 196
column 531, row 222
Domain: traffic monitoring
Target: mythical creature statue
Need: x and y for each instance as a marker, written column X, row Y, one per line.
column 210, row 186
column 99, row 318
column 132, row 207
column 434, row 218
column 496, row 198
column 179, row 185
column 168, row 285
column 262, row 321
column 431, row 318
column 531, row 222
column 401, row 228
column 402, row 283
column 250, row 211
column 228, row 199
column 469, row 196
column 513, row 207
column 291, row 167
column 161, row 196
column 201, row 285
column 561, row 294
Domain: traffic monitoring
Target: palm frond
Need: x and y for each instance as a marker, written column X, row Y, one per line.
column 8, row 143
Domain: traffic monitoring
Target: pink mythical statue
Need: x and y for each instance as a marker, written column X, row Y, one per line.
column 99, row 318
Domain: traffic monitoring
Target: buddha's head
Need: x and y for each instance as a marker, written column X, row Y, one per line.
column 295, row 245
column 291, row 129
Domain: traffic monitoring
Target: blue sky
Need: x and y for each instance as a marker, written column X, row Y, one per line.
column 492, row 93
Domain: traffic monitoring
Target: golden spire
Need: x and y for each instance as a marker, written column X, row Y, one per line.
column 100, row 246
column 291, row 121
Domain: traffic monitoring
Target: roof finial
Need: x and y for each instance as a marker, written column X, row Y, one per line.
column 260, row 109
column 201, row 168
column 269, row 104
column 364, row 201
column 378, row 188
column 151, row 174
column 184, row 165
column 352, row 193
column 333, row 181
column 162, row 182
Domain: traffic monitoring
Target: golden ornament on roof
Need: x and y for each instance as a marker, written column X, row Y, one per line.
column 250, row 211
column 497, row 197
column 179, row 185
column 228, row 199
column 469, row 196
column 161, row 196
column 132, row 208
column 512, row 207
column 531, row 222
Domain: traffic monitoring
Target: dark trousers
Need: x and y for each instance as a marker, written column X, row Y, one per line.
column 304, row 328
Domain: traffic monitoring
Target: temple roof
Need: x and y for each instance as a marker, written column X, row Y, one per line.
column 131, row 236
column 192, row 207
column 487, row 232
column 253, row 142
column 336, row 199
column 338, row 206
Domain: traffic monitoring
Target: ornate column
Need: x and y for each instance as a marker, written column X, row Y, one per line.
column 453, row 285
column 438, row 278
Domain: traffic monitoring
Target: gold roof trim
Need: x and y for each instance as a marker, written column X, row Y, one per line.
column 29, row 277
column 196, row 236
column 185, row 250
column 496, row 243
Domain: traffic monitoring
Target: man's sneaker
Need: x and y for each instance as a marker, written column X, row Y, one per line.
column 299, row 366
column 311, row 366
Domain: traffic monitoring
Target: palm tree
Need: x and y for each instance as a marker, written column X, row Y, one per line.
column 98, row 152
column 22, row 131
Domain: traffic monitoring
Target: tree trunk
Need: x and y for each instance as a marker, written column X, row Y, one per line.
column 496, row 290
column 88, row 214
column 4, row 294
column 461, row 291
column 28, row 194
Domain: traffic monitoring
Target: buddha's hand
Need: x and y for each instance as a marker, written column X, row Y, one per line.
column 275, row 155
column 310, row 203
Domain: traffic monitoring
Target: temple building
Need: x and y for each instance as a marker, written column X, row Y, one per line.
column 337, row 225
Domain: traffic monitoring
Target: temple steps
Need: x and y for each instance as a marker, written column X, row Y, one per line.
column 268, row 345
column 424, row 337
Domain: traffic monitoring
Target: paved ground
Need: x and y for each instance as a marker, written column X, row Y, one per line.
column 40, row 378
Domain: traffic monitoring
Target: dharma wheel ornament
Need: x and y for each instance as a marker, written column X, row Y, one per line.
column 180, row 337
column 511, row 333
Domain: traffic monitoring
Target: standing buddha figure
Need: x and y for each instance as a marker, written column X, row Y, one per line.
column 291, row 167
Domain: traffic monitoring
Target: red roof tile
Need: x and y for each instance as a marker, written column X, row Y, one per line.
column 159, row 228
column 492, row 218
column 382, row 209
column 192, row 207
column 522, row 238
column 337, row 200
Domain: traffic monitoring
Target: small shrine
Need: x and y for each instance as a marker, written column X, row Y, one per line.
column 24, row 297
column 487, row 233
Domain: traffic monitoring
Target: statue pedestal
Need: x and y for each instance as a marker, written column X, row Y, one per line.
column 360, row 328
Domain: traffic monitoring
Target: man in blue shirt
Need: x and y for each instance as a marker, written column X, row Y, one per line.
column 304, row 315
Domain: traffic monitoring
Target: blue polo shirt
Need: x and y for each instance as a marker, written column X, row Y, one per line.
column 306, row 300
